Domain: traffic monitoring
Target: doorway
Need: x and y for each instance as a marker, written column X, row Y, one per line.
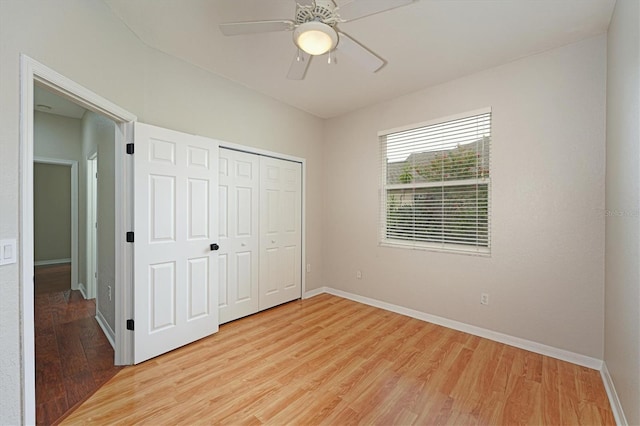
column 33, row 73
column 74, row 352
column 56, row 215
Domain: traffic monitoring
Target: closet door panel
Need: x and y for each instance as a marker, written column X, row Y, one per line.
column 239, row 239
column 280, row 231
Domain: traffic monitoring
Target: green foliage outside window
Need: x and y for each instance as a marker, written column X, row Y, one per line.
column 456, row 164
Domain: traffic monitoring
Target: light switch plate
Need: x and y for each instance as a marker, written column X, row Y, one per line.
column 8, row 251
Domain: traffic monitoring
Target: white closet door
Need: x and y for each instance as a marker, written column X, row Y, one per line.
column 175, row 276
column 280, row 231
column 239, row 199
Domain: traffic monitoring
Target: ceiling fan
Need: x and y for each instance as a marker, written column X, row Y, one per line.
column 315, row 31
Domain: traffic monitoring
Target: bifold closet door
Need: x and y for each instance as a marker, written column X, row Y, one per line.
column 280, row 232
column 239, row 200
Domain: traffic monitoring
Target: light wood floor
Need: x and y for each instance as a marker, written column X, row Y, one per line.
column 328, row 360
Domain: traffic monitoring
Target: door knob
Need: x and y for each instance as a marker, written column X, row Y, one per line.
column 214, row 247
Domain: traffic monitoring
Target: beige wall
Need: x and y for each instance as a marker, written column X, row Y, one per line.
column 54, row 137
column 545, row 275
column 51, row 212
column 622, row 278
column 82, row 40
column 57, row 137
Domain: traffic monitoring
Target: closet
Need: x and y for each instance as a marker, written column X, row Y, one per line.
column 260, row 229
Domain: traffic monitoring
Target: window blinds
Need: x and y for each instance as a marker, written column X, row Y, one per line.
column 436, row 184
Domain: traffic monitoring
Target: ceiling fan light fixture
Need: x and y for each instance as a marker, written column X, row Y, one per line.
column 315, row 38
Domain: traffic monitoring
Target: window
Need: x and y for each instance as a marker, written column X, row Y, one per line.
column 436, row 184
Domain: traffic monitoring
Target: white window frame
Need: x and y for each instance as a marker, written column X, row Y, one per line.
column 384, row 241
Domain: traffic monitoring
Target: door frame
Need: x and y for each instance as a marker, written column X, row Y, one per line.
column 91, row 218
column 73, row 164
column 32, row 72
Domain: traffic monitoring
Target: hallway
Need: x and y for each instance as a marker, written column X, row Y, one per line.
column 73, row 356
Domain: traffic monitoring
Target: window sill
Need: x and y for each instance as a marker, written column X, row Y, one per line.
column 440, row 248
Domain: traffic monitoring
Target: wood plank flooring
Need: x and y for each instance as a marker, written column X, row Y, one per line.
column 73, row 356
column 328, row 360
column 52, row 278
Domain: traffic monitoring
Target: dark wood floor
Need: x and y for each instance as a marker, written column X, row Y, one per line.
column 73, row 356
column 52, row 278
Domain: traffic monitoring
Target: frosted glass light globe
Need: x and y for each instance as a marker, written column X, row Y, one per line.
column 315, row 38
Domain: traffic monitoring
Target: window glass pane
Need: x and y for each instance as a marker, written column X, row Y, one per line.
column 455, row 214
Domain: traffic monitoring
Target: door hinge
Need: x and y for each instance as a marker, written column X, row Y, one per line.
column 129, row 237
column 130, row 324
column 129, row 148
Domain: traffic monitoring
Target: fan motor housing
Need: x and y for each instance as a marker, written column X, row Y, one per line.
column 321, row 10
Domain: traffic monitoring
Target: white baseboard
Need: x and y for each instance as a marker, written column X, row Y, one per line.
column 51, row 262
column 614, row 401
column 104, row 325
column 82, row 289
column 314, row 292
column 517, row 342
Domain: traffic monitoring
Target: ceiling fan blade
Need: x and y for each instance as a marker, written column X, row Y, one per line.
column 360, row 8
column 253, row 27
column 359, row 53
column 299, row 66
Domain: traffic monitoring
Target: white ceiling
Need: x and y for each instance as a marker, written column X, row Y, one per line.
column 45, row 101
column 424, row 43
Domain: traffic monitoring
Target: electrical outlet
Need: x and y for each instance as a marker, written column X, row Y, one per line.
column 109, row 288
column 484, row 299
column 308, row 268
column 358, row 274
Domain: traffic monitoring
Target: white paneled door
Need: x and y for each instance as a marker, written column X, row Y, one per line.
column 176, row 233
column 280, row 231
column 239, row 200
